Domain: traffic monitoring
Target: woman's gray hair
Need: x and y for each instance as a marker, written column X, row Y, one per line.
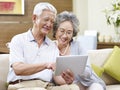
column 66, row 16
column 42, row 6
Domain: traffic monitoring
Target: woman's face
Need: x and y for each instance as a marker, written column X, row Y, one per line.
column 64, row 33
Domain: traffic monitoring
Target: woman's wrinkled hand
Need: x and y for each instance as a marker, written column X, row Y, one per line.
column 68, row 76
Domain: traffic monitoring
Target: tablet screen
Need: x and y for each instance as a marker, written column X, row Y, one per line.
column 76, row 63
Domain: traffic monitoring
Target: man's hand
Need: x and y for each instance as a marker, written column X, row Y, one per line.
column 68, row 76
column 51, row 66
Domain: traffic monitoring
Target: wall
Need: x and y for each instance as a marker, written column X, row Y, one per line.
column 11, row 25
column 80, row 9
column 91, row 16
column 96, row 17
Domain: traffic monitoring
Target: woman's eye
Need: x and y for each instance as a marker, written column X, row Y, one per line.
column 69, row 32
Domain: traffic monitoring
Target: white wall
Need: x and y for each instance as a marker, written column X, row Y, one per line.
column 80, row 9
column 91, row 16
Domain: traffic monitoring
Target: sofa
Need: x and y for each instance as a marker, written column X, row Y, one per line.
column 97, row 57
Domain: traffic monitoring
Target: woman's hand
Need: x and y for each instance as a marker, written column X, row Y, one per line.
column 68, row 76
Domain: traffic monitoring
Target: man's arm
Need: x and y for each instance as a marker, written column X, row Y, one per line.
column 29, row 69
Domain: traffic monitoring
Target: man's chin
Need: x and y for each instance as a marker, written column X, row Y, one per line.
column 46, row 32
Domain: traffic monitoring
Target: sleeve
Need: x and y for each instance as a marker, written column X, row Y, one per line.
column 88, row 70
column 82, row 50
column 16, row 50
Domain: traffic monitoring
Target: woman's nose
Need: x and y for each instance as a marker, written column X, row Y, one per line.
column 65, row 34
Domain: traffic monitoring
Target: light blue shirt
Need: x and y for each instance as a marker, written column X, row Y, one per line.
column 88, row 77
column 24, row 48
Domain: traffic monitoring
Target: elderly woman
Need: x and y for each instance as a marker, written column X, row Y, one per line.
column 65, row 28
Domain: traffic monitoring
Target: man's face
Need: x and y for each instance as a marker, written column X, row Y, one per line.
column 44, row 22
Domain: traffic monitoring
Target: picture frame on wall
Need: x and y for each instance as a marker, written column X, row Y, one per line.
column 12, row 7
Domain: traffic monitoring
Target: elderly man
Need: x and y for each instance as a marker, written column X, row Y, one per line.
column 33, row 54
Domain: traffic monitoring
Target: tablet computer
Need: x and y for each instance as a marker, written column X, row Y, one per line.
column 76, row 63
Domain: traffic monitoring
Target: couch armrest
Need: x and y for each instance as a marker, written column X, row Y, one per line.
column 4, row 66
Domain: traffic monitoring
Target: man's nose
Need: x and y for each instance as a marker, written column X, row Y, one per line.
column 49, row 23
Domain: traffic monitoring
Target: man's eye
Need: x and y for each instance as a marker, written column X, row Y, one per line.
column 45, row 19
column 52, row 21
column 61, row 30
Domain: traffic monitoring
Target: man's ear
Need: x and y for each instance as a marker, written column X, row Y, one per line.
column 34, row 18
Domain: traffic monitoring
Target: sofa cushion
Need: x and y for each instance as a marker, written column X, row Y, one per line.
column 32, row 88
column 4, row 66
column 108, row 79
column 99, row 56
column 98, row 70
column 113, row 87
column 113, row 64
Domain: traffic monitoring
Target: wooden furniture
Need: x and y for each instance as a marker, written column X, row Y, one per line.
column 4, row 50
column 101, row 45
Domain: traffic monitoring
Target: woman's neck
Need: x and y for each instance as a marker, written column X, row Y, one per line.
column 64, row 49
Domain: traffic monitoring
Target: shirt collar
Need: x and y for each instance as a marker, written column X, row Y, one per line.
column 31, row 38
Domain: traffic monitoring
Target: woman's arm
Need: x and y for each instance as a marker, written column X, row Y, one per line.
column 59, row 80
column 87, row 72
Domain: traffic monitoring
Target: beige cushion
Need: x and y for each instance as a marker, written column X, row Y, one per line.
column 34, row 88
column 113, row 87
column 98, row 57
column 3, row 70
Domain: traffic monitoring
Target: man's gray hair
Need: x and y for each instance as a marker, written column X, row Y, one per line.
column 42, row 6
